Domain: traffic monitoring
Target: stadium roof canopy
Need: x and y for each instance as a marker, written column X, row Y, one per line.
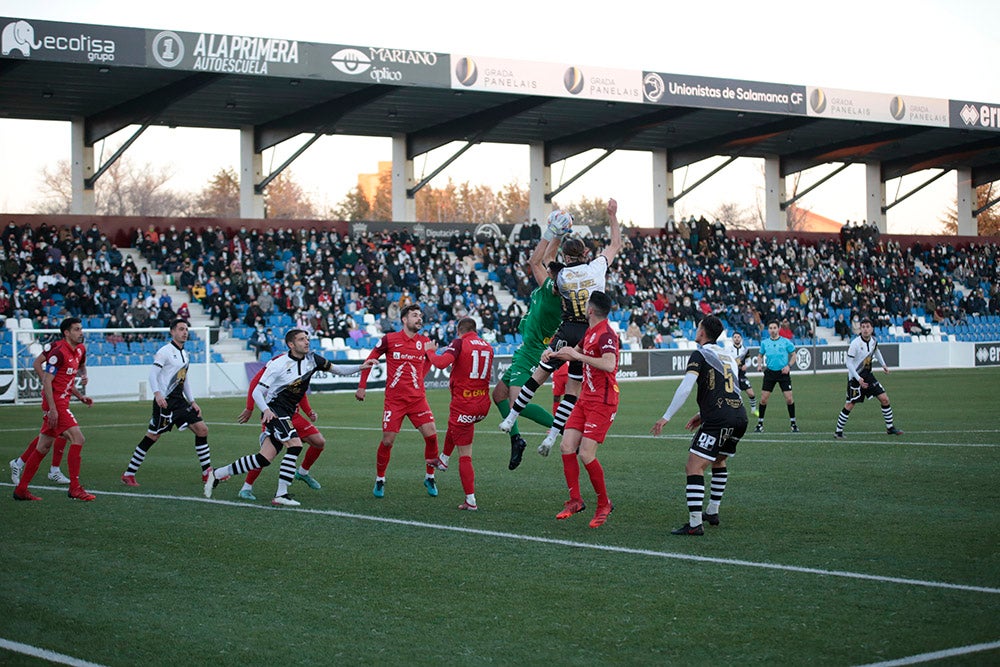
column 114, row 77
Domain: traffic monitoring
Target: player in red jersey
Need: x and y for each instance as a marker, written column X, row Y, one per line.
column 594, row 411
column 63, row 361
column 471, row 359
column 59, row 444
column 559, row 378
column 307, row 433
column 406, row 357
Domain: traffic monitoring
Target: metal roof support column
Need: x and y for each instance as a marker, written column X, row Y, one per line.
column 251, row 172
column 663, row 190
column 875, row 195
column 82, row 168
column 539, row 183
column 965, row 196
column 404, row 205
column 774, row 193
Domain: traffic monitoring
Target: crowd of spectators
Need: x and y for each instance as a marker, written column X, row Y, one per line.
column 662, row 284
column 49, row 273
column 666, row 280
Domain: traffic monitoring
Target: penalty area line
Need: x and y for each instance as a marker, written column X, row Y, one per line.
column 44, row 654
column 936, row 655
column 558, row 542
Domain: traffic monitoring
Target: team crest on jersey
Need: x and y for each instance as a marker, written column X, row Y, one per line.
column 420, row 345
column 53, row 360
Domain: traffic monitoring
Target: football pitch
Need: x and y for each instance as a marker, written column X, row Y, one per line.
column 875, row 549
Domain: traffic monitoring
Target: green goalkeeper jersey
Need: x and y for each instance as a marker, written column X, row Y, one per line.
column 543, row 317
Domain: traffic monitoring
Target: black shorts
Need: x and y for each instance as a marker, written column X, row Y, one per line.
column 569, row 334
column 165, row 419
column 772, row 378
column 856, row 394
column 280, row 431
column 711, row 442
column 745, row 382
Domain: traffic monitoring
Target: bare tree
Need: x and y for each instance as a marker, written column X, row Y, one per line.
column 734, row 216
column 124, row 189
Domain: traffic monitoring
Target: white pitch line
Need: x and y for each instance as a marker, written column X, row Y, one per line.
column 45, row 654
column 936, row 655
column 548, row 540
column 748, row 439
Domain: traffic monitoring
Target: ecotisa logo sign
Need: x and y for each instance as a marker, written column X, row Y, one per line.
column 20, row 36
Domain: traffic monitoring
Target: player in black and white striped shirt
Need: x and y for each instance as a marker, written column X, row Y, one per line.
column 861, row 382
column 281, row 387
column 173, row 403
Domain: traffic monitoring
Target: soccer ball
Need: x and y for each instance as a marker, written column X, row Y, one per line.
column 560, row 223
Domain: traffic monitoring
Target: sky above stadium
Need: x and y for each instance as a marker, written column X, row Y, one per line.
column 929, row 48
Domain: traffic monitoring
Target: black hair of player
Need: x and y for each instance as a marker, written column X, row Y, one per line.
column 178, row 322
column 713, row 328
column 601, row 303
column 291, row 334
column 407, row 309
column 68, row 323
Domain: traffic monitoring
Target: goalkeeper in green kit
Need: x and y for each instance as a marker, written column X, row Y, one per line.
column 536, row 328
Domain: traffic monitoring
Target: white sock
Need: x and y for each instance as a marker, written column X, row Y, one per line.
column 53, row 469
column 247, row 487
column 470, row 498
column 429, row 476
column 713, row 507
column 553, row 432
column 380, row 479
column 282, row 488
column 444, row 458
column 303, row 471
column 694, row 519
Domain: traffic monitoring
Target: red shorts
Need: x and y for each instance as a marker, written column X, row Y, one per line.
column 305, row 427
column 66, row 422
column 559, row 380
column 462, row 420
column 418, row 412
column 592, row 419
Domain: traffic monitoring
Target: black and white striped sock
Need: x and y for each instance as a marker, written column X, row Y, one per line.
column 719, row 478
column 139, row 455
column 204, row 453
column 563, row 411
column 286, row 474
column 887, row 416
column 524, row 396
column 695, row 498
column 842, row 420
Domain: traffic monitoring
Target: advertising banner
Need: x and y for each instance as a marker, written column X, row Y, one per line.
column 975, row 115
column 266, row 56
column 987, row 354
column 711, row 93
column 72, row 42
column 877, row 107
column 500, row 75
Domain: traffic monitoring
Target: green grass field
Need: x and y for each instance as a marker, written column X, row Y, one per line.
column 836, row 553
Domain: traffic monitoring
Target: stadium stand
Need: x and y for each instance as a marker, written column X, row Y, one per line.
column 348, row 290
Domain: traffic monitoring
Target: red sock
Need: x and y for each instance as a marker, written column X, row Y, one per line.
column 27, row 453
column 253, row 475
column 312, row 453
column 382, row 459
column 449, row 444
column 58, row 447
column 596, row 473
column 431, row 450
column 571, row 469
column 30, row 468
column 74, row 459
column 467, row 474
